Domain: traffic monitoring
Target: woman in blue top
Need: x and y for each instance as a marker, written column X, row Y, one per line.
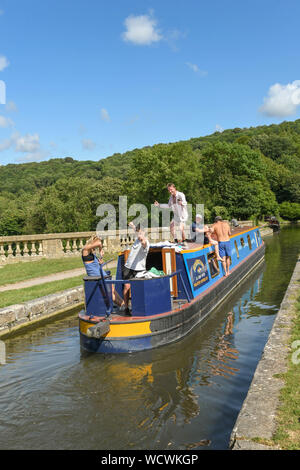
column 92, row 263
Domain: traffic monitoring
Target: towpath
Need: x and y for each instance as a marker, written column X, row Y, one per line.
column 50, row 278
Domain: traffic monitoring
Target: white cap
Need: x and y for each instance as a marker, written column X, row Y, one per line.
column 199, row 216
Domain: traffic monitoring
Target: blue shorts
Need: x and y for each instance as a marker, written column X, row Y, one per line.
column 224, row 249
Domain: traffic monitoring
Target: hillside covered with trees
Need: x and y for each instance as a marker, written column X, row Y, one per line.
column 238, row 173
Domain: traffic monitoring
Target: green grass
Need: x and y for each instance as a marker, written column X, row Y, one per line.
column 287, row 435
column 18, row 296
column 22, row 271
column 12, row 297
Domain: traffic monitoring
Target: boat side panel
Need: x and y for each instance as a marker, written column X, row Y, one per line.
column 169, row 328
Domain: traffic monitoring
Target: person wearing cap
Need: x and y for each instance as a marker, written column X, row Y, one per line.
column 177, row 203
column 222, row 232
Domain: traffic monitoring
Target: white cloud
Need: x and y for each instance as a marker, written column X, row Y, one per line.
column 6, row 122
column 282, row 100
column 88, row 144
column 141, row 30
column 3, row 63
column 196, row 69
column 105, row 115
column 219, row 128
column 11, row 106
column 27, row 143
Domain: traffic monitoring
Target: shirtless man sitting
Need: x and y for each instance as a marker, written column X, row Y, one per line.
column 222, row 231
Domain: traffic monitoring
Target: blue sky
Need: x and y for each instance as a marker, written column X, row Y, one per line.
column 90, row 78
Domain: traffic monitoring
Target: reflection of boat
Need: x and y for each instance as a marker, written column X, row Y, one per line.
column 166, row 308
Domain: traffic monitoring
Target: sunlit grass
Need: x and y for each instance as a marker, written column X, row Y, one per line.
column 287, row 435
column 23, row 271
column 12, row 297
column 18, row 296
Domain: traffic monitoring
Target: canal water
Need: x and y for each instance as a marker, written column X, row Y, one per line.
column 182, row 396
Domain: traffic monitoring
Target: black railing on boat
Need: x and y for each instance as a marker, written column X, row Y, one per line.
column 106, row 281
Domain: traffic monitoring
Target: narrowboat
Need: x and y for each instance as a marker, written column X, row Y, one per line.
column 165, row 308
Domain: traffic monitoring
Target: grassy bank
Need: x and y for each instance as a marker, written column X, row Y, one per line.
column 287, row 435
column 12, row 297
column 18, row 272
column 18, row 296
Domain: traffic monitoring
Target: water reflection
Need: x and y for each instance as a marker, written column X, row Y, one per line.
column 183, row 396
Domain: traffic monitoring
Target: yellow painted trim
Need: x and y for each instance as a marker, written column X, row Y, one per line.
column 121, row 329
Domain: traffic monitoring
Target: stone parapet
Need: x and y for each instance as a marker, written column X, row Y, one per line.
column 14, row 317
column 257, row 418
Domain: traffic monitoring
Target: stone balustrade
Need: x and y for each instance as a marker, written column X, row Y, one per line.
column 58, row 245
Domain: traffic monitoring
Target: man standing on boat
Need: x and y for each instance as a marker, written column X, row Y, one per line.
column 177, row 203
column 222, row 231
column 136, row 260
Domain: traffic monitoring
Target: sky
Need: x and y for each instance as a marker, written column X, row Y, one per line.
column 90, row 78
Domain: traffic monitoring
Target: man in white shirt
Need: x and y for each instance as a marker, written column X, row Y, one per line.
column 136, row 260
column 178, row 204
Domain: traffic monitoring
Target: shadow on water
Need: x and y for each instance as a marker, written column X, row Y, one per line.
column 183, row 396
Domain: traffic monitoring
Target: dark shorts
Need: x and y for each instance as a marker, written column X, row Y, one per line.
column 224, row 249
column 128, row 273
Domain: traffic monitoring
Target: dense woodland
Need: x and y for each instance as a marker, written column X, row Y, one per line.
column 239, row 173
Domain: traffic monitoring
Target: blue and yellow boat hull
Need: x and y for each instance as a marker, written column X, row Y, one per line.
column 194, row 303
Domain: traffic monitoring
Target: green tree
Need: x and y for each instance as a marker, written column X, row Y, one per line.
column 152, row 168
column 235, row 176
column 290, row 210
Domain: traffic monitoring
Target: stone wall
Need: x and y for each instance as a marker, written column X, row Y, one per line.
column 257, row 418
column 18, row 316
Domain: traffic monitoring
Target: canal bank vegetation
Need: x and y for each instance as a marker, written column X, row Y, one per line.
column 12, row 297
column 237, row 173
column 287, row 435
column 18, row 272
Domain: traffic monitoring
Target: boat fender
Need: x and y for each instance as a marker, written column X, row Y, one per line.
column 100, row 329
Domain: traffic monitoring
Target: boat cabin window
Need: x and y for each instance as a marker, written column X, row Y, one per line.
column 257, row 237
column 163, row 259
column 213, row 264
column 249, row 242
column 242, row 242
column 154, row 259
column 236, row 249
